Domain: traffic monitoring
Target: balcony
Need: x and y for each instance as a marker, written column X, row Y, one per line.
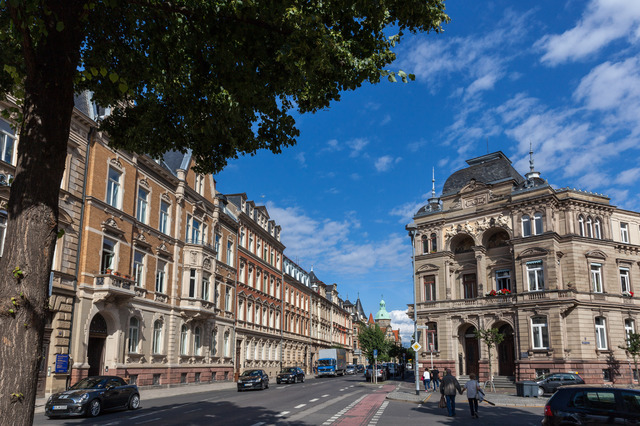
column 197, row 308
column 113, row 288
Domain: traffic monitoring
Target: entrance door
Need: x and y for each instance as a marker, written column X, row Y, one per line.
column 96, row 344
column 506, row 355
column 472, row 355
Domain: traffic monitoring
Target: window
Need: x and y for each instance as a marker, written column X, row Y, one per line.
column 526, row 226
column 432, row 337
column 113, row 188
column 242, row 239
column 625, row 286
column 197, row 341
column 535, row 275
column 434, row 242
column 430, row 288
column 537, row 221
column 589, row 227
column 199, row 187
column 581, row 225
column 226, row 344
column 597, row 233
column 7, row 142
column 157, row 337
column 160, row 277
column 601, row 333
column 503, row 279
column 214, row 344
column 108, row 255
column 138, row 268
column 205, row 287
column 192, row 283
column 596, row 277
column 143, row 203
column 540, row 333
column 183, row 340
column 469, row 286
column 134, row 327
column 425, row 244
column 164, row 221
column 194, row 227
column 3, row 230
column 624, row 232
column 629, row 328
column 217, row 246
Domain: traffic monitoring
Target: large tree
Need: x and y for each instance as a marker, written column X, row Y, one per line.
column 218, row 77
column 373, row 338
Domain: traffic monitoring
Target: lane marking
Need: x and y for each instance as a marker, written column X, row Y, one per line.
column 300, row 406
column 314, row 399
column 376, row 417
column 191, row 411
column 324, row 396
column 282, row 414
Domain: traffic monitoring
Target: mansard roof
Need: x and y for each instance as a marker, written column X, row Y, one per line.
column 488, row 169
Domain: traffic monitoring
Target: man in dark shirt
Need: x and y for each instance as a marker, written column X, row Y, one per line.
column 435, row 378
column 448, row 388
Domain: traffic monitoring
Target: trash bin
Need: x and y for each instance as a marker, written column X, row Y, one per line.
column 520, row 388
column 530, row 389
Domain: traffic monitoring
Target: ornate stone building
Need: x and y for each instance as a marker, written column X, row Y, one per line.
column 552, row 269
column 296, row 325
column 358, row 320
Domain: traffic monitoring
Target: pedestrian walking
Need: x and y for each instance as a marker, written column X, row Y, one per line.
column 473, row 389
column 426, row 379
column 448, row 388
column 435, row 378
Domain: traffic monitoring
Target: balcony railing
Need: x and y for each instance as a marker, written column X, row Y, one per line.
column 114, row 287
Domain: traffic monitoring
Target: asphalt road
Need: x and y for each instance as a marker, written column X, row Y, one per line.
column 344, row 401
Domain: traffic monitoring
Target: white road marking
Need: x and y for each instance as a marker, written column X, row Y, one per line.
column 300, row 406
column 313, row 400
column 376, row 417
column 324, row 396
column 191, row 411
column 284, row 413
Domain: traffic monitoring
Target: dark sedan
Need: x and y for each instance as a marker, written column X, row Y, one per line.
column 290, row 375
column 92, row 395
column 549, row 383
column 253, row 379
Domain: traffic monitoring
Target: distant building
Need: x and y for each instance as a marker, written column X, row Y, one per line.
column 553, row 269
column 383, row 320
column 358, row 319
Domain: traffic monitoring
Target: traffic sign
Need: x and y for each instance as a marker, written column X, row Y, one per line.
column 416, row 346
column 375, row 353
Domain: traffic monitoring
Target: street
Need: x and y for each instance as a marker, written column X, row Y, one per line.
column 345, row 401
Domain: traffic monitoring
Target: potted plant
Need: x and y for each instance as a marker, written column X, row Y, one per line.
column 504, row 292
column 492, row 293
column 627, row 293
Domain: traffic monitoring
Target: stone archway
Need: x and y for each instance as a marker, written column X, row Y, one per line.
column 506, row 352
column 96, row 345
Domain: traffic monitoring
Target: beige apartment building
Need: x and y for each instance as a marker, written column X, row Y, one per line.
column 553, row 269
column 296, row 326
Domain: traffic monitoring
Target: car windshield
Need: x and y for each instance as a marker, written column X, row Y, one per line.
column 251, row 373
column 288, row 370
column 325, row 362
column 89, row 383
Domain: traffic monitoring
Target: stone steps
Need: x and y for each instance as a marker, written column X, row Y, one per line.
column 502, row 382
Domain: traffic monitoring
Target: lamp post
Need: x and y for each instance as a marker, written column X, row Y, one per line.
column 412, row 234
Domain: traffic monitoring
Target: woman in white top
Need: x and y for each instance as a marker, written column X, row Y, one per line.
column 426, row 378
column 473, row 387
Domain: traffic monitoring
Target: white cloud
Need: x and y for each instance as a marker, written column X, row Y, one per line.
column 384, row 163
column 356, row 146
column 301, row 159
column 408, row 210
column 400, row 320
column 603, row 22
column 628, row 177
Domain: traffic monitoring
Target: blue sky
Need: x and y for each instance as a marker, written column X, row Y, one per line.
column 561, row 76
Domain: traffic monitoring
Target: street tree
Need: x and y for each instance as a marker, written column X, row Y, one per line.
column 632, row 347
column 492, row 338
column 221, row 78
column 372, row 338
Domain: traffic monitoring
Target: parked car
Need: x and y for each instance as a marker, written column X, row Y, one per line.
column 360, row 368
column 585, row 404
column 393, row 368
column 253, row 379
column 548, row 383
column 381, row 373
column 92, row 395
column 351, row 369
column 290, row 375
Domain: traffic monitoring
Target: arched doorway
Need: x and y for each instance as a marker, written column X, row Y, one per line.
column 471, row 354
column 95, row 349
column 506, row 352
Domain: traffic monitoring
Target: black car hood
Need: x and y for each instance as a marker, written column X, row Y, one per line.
column 74, row 394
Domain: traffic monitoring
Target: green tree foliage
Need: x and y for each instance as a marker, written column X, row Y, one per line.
column 374, row 338
column 632, row 346
column 492, row 338
column 219, row 77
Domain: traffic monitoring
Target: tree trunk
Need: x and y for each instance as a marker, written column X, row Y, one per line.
column 51, row 64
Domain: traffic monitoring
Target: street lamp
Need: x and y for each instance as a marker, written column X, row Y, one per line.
column 413, row 230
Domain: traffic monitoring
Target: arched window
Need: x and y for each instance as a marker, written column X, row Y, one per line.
column 581, row 225
column 157, row 337
column 434, row 242
column 134, row 329
column 425, row 244
column 197, row 341
column 537, row 220
column 526, row 226
column 183, row 340
column 589, row 227
column 597, row 229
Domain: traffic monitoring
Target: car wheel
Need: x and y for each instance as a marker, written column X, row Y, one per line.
column 134, row 402
column 302, row 380
column 540, row 391
column 94, row 408
column 267, row 385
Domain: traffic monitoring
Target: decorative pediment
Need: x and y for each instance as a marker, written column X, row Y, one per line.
column 163, row 251
column 533, row 251
column 116, row 163
column 111, row 226
column 144, row 183
column 599, row 254
column 141, row 241
column 473, row 185
column 428, row 267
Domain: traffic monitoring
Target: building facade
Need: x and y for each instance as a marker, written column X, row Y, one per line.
column 553, row 269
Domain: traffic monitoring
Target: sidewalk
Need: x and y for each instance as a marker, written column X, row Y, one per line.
column 406, row 391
